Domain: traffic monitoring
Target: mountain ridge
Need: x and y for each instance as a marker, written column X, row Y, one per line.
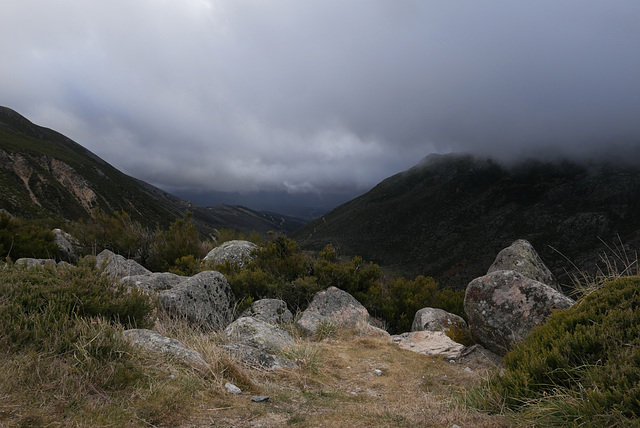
column 46, row 173
column 449, row 215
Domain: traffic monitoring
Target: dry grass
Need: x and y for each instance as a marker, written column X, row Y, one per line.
column 337, row 386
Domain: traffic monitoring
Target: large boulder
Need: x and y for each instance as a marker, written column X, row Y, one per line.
column 155, row 281
column 521, row 257
column 116, row 266
column 273, row 311
column 236, row 252
column 67, row 245
column 259, row 334
column 205, row 300
column 332, row 306
column 153, row 342
column 434, row 319
column 504, row 306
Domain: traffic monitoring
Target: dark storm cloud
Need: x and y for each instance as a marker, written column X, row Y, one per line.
column 320, row 96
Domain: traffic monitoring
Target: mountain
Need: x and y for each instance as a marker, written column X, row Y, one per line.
column 450, row 215
column 44, row 174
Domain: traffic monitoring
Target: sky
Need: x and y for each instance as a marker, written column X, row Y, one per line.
column 322, row 97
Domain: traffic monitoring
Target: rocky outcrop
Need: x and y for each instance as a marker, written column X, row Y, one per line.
column 154, row 342
column 205, row 300
column 116, row 266
column 273, row 311
column 67, row 245
column 504, row 306
column 332, row 306
column 521, row 257
column 259, row 334
column 155, row 281
column 433, row 319
column 236, row 252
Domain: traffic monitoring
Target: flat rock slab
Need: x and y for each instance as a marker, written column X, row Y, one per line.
column 429, row 343
column 154, row 342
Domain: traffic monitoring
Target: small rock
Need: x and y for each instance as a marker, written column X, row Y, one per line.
column 452, row 361
column 232, row 389
column 259, row 398
column 467, row 369
column 377, row 372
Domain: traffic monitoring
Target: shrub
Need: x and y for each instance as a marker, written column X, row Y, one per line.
column 169, row 247
column 118, row 233
column 581, row 367
column 398, row 300
column 41, row 307
column 354, row 276
column 20, row 238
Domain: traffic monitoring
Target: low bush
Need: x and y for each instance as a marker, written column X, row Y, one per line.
column 580, row 368
column 41, row 307
column 20, row 238
column 398, row 300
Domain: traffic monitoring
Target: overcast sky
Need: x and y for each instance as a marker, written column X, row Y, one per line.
column 322, row 95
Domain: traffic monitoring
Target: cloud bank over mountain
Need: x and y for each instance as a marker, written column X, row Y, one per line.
column 322, row 96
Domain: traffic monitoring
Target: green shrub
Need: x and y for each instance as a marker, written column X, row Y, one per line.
column 581, row 367
column 118, row 233
column 21, row 238
column 354, row 276
column 398, row 300
column 169, row 247
column 224, row 235
column 41, row 307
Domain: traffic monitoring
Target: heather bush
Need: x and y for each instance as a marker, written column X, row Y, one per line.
column 117, row 232
column 21, row 238
column 580, row 367
column 396, row 301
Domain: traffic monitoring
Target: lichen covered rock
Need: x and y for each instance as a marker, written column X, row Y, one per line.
column 259, row 334
column 273, row 311
column 116, row 266
column 154, row 342
column 504, row 306
column 236, row 252
column 521, row 257
column 332, row 306
column 434, row 319
column 205, row 300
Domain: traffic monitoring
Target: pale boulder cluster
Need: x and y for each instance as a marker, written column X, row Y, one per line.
column 517, row 294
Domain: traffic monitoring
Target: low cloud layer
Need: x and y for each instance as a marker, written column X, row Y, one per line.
column 322, row 96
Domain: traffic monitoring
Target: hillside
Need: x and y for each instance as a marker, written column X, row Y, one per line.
column 45, row 174
column 449, row 215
